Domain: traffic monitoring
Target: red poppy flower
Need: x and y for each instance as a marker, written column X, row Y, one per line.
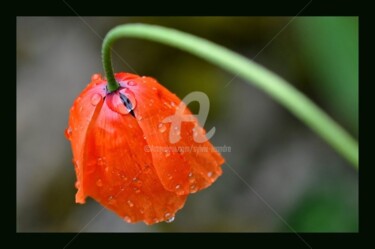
column 122, row 154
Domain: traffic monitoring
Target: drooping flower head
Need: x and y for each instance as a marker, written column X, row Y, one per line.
column 123, row 154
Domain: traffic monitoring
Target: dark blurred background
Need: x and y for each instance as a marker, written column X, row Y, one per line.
column 293, row 174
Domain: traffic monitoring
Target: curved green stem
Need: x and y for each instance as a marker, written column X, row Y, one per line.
column 112, row 84
column 253, row 73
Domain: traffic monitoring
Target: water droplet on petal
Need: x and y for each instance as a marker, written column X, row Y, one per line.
column 191, row 178
column 139, row 117
column 121, row 101
column 167, row 152
column 169, row 218
column 137, row 190
column 130, row 203
column 193, row 188
column 127, row 219
column 190, row 174
column 68, row 132
column 172, row 103
column 209, row 174
column 99, row 183
column 95, row 99
column 95, row 76
column 178, row 186
column 162, row 128
column 132, row 83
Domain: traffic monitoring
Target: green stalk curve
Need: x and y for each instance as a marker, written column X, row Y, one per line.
column 278, row 88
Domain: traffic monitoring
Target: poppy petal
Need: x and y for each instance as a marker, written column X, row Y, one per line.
column 119, row 173
column 186, row 166
column 80, row 117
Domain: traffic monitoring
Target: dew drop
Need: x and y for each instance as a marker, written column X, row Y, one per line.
column 162, row 128
column 68, row 132
column 139, row 117
column 169, row 218
column 193, row 188
column 191, row 178
column 167, row 152
column 137, row 190
column 178, row 186
column 122, row 101
column 99, row 183
column 209, row 174
column 127, row 219
column 132, row 83
column 95, row 99
column 172, row 103
column 130, row 203
column 95, row 76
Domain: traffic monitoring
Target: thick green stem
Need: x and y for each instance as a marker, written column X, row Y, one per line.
column 253, row 73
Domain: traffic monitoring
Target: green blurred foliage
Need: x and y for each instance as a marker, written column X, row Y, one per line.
column 330, row 48
column 322, row 210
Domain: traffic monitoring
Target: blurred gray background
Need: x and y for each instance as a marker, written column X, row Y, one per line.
column 291, row 172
